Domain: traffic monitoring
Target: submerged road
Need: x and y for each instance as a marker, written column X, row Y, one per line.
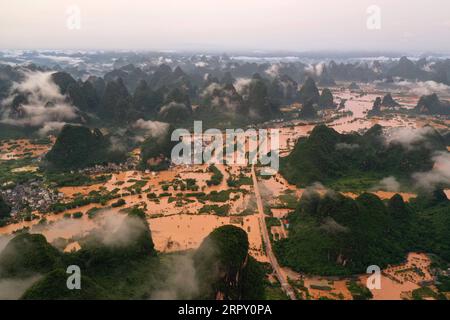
column 268, row 245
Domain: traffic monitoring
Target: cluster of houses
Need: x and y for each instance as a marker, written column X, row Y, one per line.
column 31, row 196
column 129, row 164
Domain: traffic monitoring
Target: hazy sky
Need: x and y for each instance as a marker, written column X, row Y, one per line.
column 226, row 25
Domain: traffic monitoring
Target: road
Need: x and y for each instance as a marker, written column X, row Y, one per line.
column 268, row 245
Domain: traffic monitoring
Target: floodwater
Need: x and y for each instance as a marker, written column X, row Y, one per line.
column 19, row 148
column 397, row 282
column 358, row 121
column 183, row 232
column 176, row 227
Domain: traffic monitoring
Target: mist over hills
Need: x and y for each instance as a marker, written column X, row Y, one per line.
column 177, row 88
column 115, row 112
column 335, row 159
column 331, row 234
column 123, row 264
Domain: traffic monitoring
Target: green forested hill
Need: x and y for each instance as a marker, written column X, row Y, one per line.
column 335, row 235
column 79, row 147
column 337, row 160
column 125, row 265
column 224, row 250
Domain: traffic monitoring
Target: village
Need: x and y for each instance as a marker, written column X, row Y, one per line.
column 187, row 201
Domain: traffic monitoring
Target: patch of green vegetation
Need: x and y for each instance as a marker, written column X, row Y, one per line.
column 272, row 222
column 215, row 209
column 198, row 195
column 288, row 201
column 423, row 293
column 357, row 182
column 74, row 179
column 321, row 288
column 77, row 215
column 92, row 212
column 118, row 203
column 443, row 283
column 165, row 194
column 221, row 196
column 358, row 291
column 191, row 184
column 100, row 197
column 137, row 186
column 273, row 292
column 8, row 178
column 43, row 141
column 242, row 180
column 217, row 176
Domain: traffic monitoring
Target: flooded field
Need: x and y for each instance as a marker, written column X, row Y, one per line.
column 17, row 149
column 182, row 232
column 183, row 207
column 397, row 282
column 353, row 117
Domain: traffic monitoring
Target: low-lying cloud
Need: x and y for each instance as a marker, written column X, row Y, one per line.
column 388, row 184
column 330, row 225
column 274, row 70
column 108, row 227
column 44, row 103
column 408, row 137
column 181, row 282
column 439, row 175
column 225, row 99
column 315, row 69
column 421, row 88
column 242, row 85
column 150, row 129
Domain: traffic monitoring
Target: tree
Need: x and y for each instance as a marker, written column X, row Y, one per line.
column 326, row 99
column 376, row 108
column 308, row 111
column 309, row 92
column 389, row 102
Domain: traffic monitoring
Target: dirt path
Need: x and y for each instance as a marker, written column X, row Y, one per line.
column 272, row 259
